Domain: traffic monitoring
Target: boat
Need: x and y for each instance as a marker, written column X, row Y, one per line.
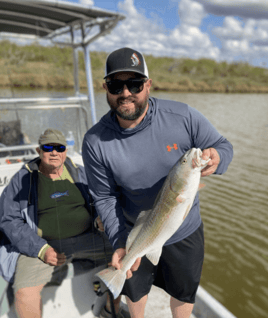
column 77, row 26
column 65, row 24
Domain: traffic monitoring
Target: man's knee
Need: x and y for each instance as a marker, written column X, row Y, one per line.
column 28, row 294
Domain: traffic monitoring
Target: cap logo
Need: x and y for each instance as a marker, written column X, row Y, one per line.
column 135, row 60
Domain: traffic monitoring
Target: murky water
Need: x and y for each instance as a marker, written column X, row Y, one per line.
column 233, row 206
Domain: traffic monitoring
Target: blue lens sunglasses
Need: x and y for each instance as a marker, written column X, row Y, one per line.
column 50, row 148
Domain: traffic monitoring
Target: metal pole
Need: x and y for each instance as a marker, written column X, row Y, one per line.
column 90, row 84
column 76, row 68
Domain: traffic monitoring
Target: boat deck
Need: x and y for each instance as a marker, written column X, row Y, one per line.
column 158, row 304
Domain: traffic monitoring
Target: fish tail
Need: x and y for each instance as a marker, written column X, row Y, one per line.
column 113, row 279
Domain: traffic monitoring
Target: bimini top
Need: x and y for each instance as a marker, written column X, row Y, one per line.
column 55, row 19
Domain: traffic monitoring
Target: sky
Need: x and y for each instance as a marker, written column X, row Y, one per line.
column 223, row 30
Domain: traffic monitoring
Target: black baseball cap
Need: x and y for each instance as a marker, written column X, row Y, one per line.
column 126, row 60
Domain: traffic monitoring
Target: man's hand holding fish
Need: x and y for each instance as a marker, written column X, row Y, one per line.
column 212, row 154
column 117, row 262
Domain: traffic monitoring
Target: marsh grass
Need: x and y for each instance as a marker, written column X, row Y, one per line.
column 35, row 66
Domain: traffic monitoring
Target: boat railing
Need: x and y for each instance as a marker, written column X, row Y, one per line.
column 41, row 100
column 17, row 154
column 78, row 103
column 208, row 306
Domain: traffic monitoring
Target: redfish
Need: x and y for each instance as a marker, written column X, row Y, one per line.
column 154, row 227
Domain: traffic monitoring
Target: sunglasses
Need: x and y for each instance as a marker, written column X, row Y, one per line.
column 134, row 85
column 50, row 148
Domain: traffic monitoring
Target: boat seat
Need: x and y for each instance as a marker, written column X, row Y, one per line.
column 10, row 133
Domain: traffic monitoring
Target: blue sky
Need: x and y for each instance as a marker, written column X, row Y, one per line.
column 230, row 30
column 223, row 30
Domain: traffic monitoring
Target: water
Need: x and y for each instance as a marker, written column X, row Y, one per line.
column 233, row 206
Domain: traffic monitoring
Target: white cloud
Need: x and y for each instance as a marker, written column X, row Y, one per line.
column 235, row 29
column 87, row 2
column 236, row 47
column 128, row 7
column 189, row 41
column 146, row 35
column 244, row 32
column 191, row 12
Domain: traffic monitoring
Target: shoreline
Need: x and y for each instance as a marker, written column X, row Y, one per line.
column 36, row 67
column 159, row 87
column 52, row 83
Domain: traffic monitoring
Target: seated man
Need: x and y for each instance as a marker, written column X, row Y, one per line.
column 46, row 222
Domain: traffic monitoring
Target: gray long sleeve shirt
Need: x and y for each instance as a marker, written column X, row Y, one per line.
column 126, row 168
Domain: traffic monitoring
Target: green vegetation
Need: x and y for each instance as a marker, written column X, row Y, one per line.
column 35, row 66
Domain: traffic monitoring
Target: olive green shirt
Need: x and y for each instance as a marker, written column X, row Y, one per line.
column 61, row 208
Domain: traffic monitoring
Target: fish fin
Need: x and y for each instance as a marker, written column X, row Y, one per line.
column 142, row 217
column 137, row 227
column 154, row 256
column 187, row 211
column 113, row 279
column 180, row 198
column 201, row 186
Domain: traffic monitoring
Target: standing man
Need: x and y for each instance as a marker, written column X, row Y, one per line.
column 127, row 156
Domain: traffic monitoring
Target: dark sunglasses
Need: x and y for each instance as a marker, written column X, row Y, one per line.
column 134, row 85
column 50, row 148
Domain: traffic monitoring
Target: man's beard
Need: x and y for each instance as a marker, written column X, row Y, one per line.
column 124, row 114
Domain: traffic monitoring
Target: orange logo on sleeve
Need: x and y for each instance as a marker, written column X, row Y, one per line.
column 169, row 148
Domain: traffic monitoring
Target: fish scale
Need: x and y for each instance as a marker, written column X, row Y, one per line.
column 154, row 227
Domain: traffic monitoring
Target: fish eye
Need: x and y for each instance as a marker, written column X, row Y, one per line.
column 184, row 161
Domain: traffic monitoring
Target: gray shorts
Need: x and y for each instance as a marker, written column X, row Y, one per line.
column 90, row 247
